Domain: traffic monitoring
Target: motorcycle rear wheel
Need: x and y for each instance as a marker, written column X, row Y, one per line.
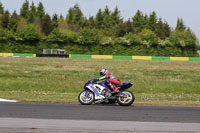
column 126, row 101
column 86, row 99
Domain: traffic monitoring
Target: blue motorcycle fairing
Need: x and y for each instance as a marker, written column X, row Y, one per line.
column 124, row 86
column 104, row 84
column 88, row 83
column 93, row 88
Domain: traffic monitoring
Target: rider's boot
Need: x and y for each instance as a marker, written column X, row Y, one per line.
column 115, row 90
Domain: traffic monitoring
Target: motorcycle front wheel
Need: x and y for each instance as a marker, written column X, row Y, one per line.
column 127, row 99
column 86, row 99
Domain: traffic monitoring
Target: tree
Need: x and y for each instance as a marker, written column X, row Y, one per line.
column 180, row 25
column 55, row 21
column 163, row 29
column 138, row 21
column 107, row 20
column 74, row 16
column 121, row 29
column 24, row 11
column 46, row 24
column 99, row 19
column 106, row 11
column 167, row 29
column 78, row 15
column 56, row 37
column 152, row 21
column 89, row 36
column 62, row 23
column 40, row 10
column 13, row 23
column 31, row 18
column 149, row 38
column 191, row 40
column 1, row 8
column 32, row 13
column 61, row 17
column 33, row 8
column 5, row 19
column 116, row 18
column 69, row 17
column 29, row 33
column 91, row 22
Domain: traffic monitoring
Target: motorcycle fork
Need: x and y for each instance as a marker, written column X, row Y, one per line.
column 87, row 93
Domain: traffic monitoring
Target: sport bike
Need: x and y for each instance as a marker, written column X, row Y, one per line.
column 101, row 93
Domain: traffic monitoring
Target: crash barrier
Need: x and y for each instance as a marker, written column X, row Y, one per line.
column 32, row 55
column 53, row 55
column 135, row 57
column 103, row 56
column 17, row 55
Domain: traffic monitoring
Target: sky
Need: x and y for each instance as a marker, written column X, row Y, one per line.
column 169, row 10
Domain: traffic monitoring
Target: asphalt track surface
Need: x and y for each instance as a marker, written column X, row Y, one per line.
column 100, row 112
column 19, row 116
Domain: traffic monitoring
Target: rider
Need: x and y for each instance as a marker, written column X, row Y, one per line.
column 110, row 79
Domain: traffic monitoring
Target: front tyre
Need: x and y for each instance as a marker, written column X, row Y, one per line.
column 127, row 99
column 86, row 98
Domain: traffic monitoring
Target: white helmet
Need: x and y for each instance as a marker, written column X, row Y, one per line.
column 103, row 72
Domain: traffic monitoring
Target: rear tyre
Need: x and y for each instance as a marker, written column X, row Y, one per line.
column 126, row 101
column 86, row 99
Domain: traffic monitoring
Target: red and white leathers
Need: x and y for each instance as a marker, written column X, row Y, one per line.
column 111, row 81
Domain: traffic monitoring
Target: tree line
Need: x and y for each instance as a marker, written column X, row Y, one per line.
column 33, row 30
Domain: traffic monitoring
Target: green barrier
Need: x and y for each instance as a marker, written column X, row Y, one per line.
column 194, row 58
column 160, row 58
column 80, row 56
column 121, row 57
column 23, row 55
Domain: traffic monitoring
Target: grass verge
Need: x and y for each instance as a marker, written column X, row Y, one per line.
column 60, row 80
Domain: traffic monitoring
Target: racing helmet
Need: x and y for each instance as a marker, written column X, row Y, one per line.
column 103, row 72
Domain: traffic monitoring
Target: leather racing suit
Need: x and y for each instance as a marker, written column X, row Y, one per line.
column 111, row 81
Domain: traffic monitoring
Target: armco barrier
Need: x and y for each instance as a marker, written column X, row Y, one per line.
column 142, row 57
column 8, row 54
column 16, row 55
column 160, row 58
column 179, row 58
column 121, row 57
column 194, row 58
column 53, row 55
column 135, row 57
column 103, row 56
column 79, row 56
column 22, row 55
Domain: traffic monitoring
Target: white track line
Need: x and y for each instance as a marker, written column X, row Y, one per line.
column 6, row 100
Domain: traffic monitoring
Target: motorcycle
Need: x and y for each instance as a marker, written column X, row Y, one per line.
column 101, row 93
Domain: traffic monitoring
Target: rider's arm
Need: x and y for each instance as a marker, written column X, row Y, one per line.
column 103, row 77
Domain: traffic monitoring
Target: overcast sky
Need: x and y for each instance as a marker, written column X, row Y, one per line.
column 169, row 10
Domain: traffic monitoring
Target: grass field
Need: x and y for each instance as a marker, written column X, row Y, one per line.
column 60, row 80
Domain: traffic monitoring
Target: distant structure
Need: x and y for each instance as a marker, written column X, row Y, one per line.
column 54, row 51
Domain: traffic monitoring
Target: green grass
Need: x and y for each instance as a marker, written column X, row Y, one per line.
column 60, row 80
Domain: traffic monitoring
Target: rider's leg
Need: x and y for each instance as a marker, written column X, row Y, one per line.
column 112, row 86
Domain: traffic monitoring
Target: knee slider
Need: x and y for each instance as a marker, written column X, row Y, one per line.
column 107, row 82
